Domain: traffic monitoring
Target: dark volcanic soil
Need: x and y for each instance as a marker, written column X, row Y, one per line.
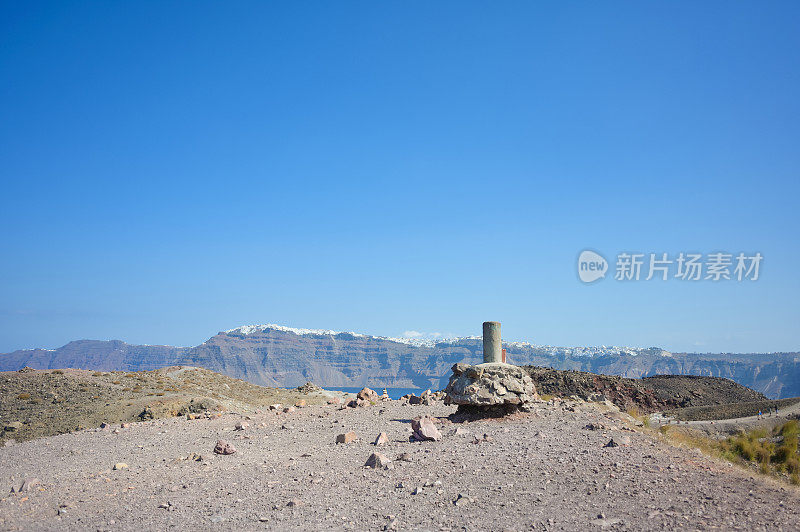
column 651, row 394
column 543, row 471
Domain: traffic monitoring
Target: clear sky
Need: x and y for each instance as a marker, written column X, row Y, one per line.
column 173, row 169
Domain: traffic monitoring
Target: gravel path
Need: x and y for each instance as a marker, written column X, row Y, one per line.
column 544, row 470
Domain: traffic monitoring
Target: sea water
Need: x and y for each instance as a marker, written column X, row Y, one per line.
column 394, row 393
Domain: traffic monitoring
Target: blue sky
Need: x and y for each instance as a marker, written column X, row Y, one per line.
column 173, row 169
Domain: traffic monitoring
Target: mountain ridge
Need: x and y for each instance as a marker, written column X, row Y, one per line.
column 276, row 355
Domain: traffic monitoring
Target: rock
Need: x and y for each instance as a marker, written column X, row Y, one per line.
column 104, row 425
column 334, row 401
column 367, row 394
column 493, row 384
column 119, row 466
column 619, row 439
column 242, row 425
column 288, row 410
column 404, row 457
column 381, row 439
column 294, row 503
column 276, row 406
column 223, row 447
column 125, row 425
column 193, row 415
column 461, row 500
column 29, row 484
column 300, row 403
column 425, row 430
column 347, row 437
column 623, row 439
column 308, row 387
column 377, row 461
column 414, row 400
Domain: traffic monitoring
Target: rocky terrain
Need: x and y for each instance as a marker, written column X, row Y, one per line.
column 42, row 403
column 651, row 394
column 562, row 466
column 280, row 356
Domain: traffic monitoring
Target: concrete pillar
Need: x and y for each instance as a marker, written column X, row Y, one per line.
column 491, row 342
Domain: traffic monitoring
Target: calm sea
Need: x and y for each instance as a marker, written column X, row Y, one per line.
column 394, row 393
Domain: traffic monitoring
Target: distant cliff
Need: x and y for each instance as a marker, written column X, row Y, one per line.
column 280, row 356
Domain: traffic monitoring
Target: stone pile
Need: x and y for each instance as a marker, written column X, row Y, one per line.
column 492, row 389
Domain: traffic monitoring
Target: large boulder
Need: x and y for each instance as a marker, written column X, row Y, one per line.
column 367, row 394
column 490, row 385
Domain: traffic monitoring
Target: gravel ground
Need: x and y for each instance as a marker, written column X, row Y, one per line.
column 543, row 470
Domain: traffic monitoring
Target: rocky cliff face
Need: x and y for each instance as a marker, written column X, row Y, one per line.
column 94, row 354
column 279, row 356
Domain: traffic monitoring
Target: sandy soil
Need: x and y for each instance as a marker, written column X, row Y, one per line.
column 542, row 471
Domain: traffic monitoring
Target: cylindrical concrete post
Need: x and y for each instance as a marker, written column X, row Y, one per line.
column 491, row 342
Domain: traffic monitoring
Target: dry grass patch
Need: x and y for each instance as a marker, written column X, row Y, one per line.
column 773, row 453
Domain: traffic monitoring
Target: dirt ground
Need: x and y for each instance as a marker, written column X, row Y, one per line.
column 544, row 471
column 49, row 402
